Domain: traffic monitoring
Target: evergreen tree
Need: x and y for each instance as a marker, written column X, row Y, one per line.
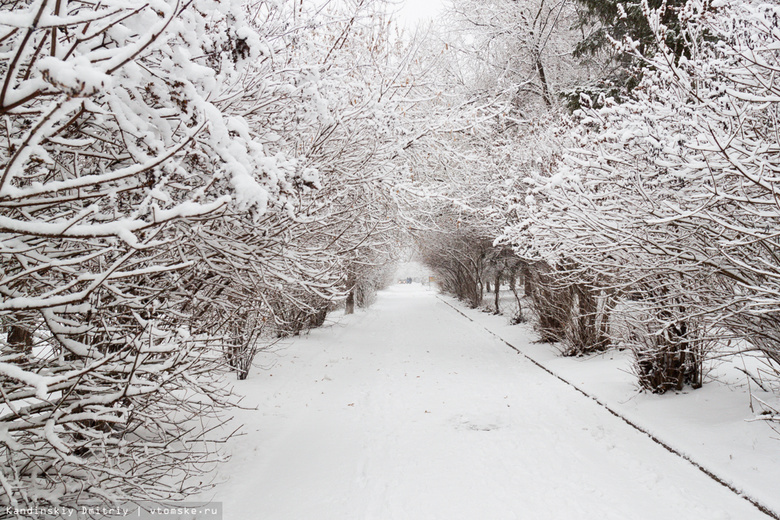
column 620, row 29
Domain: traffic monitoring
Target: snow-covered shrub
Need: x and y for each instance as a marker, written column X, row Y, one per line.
column 295, row 313
column 373, row 280
column 675, row 190
column 715, row 211
column 551, row 302
column 569, row 310
column 244, row 338
column 122, row 425
column 669, row 346
column 110, row 149
column 587, row 328
column 664, row 359
column 459, row 259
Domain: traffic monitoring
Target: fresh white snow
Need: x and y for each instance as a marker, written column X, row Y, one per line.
column 411, row 411
column 713, row 426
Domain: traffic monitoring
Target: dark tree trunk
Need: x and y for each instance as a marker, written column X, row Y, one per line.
column 498, row 286
column 20, row 339
column 543, row 80
column 513, row 288
column 528, row 283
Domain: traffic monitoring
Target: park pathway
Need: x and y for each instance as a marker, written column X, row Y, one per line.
column 411, row 411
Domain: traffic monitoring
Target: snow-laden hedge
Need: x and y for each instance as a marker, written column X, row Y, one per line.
column 181, row 183
column 670, row 198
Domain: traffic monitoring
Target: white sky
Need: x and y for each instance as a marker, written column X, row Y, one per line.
column 414, row 11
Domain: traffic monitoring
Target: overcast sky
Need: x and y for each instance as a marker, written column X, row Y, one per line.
column 413, row 11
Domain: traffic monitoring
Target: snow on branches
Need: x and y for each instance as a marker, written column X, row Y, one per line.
column 180, row 182
column 670, row 198
column 110, row 147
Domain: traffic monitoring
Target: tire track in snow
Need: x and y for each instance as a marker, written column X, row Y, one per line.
column 711, row 474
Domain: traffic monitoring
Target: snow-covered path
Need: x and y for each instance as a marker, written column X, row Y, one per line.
column 410, row 411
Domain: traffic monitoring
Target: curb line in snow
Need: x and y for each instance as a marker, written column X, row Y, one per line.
column 758, row 505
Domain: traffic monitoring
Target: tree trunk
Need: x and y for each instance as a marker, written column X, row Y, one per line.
column 20, row 339
column 528, row 283
column 350, row 301
column 498, row 286
column 513, row 288
column 543, row 80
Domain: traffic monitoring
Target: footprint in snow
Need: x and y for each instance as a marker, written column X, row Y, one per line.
column 477, row 425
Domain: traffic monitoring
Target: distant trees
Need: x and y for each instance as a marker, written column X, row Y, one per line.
column 645, row 219
column 519, row 52
column 459, row 259
column 506, row 67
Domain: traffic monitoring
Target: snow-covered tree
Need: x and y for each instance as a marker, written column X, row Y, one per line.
column 669, row 198
column 173, row 177
column 519, row 51
column 111, row 148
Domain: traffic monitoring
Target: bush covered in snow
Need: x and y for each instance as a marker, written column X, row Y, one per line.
column 180, row 185
column 670, row 197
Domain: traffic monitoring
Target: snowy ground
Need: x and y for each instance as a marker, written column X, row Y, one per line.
column 713, row 426
column 411, row 411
